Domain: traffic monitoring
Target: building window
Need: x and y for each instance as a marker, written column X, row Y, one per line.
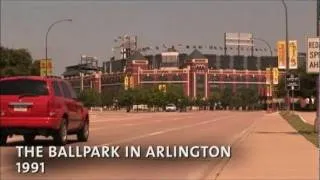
column 163, row 78
column 147, row 78
column 177, row 78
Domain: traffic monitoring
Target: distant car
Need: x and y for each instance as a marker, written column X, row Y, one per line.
column 48, row 106
column 171, row 108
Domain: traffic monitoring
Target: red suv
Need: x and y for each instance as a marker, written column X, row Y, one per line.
column 34, row 105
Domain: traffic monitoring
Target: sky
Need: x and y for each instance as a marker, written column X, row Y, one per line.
column 96, row 23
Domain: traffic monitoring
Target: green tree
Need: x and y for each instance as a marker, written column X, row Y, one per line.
column 106, row 98
column 35, row 68
column 14, row 62
column 248, row 97
column 226, row 97
column 235, row 100
column 216, row 96
column 127, row 99
column 90, row 97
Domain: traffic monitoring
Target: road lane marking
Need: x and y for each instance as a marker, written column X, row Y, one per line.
column 238, row 138
column 162, row 132
column 130, row 124
column 156, row 133
column 131, row 118
column 146, row 123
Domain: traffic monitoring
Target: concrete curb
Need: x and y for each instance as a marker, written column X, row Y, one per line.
column 301, row 118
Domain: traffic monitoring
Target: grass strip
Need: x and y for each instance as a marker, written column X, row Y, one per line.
column 305, row 129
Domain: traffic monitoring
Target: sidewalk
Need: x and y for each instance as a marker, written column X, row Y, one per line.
column 272, row 150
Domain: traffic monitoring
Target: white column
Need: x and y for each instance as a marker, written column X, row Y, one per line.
column 99, row 81
column 81, row 81
column 138, row 75
column 206, row 85
column 188, row 79
column 194, row 85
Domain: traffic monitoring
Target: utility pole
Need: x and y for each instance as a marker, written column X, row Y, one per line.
column 317, row 121
column 287, row 52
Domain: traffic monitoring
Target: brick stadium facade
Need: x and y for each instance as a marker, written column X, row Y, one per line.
column 196, row 73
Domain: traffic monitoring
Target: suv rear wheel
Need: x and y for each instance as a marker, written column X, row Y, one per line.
column 29, row 138
column 83, row 133
column 60, row 136
column 3, row 139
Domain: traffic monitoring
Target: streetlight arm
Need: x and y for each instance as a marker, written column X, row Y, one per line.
column 50, row 27
column 284, row 5
column 46, row 41
column 287, row 48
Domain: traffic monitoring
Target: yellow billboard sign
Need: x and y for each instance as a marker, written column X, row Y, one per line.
column 275, row 76
column 162, row 87
column 46, row 67
column 126, row 83
column 268, row 76
column 281, row 49
column 131, row 82
column 293, row 54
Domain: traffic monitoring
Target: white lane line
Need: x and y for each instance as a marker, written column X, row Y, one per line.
column 235, row 142
column 146, row 123
column 130, row 124
column 163, row 131
column 156, row 133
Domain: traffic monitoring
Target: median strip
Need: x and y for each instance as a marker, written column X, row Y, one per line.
column 303, row 128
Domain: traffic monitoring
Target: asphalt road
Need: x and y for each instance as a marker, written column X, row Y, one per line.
column 143, row 129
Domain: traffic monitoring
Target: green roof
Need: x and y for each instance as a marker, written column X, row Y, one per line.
column 172, row 49
column 71, row 73
column 196, row 54
column 137, row 56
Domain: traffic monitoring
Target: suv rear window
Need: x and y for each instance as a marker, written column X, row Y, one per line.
column 23, row 86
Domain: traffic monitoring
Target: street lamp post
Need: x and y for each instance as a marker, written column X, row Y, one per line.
column 287, row 50
column 56, row 22
column 271, row 84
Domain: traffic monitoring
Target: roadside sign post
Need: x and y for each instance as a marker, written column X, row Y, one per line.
column 293, row 84
column 292, row 90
